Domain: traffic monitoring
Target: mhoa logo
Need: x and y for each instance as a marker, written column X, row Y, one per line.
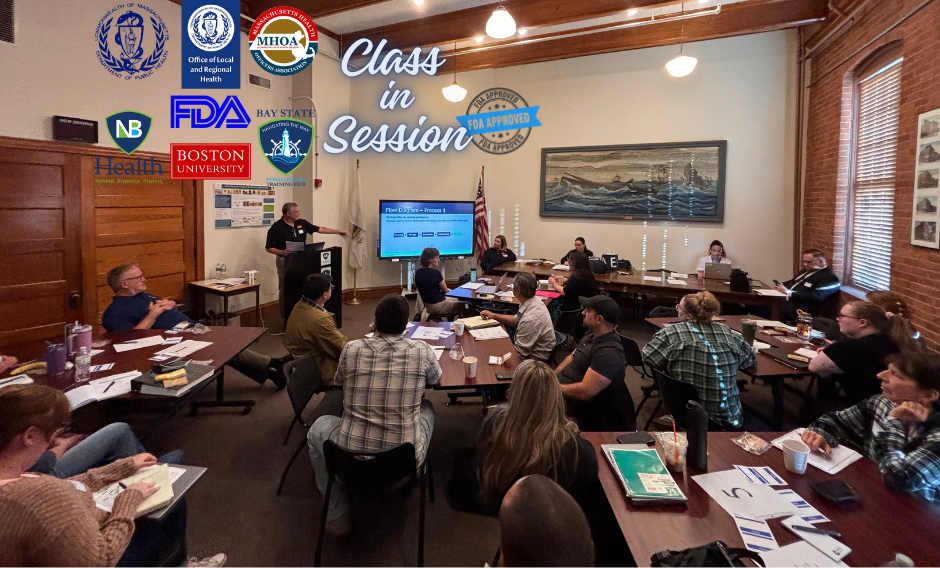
column 285, row 143
column 129, row 52
column 283, row 41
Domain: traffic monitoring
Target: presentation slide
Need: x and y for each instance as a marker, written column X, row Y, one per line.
column 407, row 227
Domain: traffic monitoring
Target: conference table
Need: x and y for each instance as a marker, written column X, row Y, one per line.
column 503, row 283
column 650, row 283
column 767, row 369
column 882, row 524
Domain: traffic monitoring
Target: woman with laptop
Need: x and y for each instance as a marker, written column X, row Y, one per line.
column 716, row 255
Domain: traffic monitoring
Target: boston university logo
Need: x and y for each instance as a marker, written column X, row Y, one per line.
column 128, row 129
column 131, row 43
column 285, row 143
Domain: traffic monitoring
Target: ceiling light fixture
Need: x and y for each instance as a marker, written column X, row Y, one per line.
column 522, row 31
column 632, row 12
column 454, row 92
column 682, row 65
column 479, row 39
column 500, row 25
column 419, row 2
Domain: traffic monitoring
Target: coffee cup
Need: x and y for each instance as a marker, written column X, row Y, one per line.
column 675, row 451
column 795, row 455
column 458, row 328
column 470, row 363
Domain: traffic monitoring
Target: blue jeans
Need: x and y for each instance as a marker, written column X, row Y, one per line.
column 113, row 442
column 327, row 428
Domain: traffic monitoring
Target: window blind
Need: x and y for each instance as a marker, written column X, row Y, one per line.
column 879, row 97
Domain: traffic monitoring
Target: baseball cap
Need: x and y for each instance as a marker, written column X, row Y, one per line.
column 603, row 305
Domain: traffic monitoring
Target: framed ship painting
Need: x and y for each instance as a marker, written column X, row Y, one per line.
column 676, row 181
column 926, row 181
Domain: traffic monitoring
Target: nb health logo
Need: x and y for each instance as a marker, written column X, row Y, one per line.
column 204, row 112
column 285, row 143
column 128, row 129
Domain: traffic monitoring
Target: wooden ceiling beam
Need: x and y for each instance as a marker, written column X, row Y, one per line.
column 252, row 9
column 314, row 8
column 734, row 20
column 461, row 25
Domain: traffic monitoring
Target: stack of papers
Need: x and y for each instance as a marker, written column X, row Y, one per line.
column 477, row 322
column 678, row 275
column 489, row 333
column 643, row 474
column 430, row 333
column 161, row 474
column 138, row 343
column 738, row 496
column 841, row 458
column 799, row 553
column 653, row 278
column 808, row 353
column 769, row 292
column 17, row 380
column 184, row 348
column 101, row 389
column 560, row 267
column 673, row 281
column 472, row 285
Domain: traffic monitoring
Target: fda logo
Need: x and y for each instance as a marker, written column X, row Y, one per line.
column 128, row 129
column 204, row 112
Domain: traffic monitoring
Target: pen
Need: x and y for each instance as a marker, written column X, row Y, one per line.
column 109, row 386
column 814, row 530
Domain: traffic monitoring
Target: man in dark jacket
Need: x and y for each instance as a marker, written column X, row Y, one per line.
column 809, row 289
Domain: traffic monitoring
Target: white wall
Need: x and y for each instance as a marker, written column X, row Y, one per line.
column 743, row 91
column 38, row 80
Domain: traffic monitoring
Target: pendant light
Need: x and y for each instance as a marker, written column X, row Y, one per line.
column 454, row 92
column 681, row 65
column 500, row 25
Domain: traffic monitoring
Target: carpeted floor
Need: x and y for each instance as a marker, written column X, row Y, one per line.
column 234, row 509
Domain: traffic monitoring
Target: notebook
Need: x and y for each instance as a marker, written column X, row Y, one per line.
column 195, row 373
column 478, row 322
column 780, row 354
column 643, row 475
column 159, row 475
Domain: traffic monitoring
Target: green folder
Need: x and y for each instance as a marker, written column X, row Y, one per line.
column 644, row 475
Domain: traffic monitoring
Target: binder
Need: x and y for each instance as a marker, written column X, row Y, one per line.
column 147, row 384
column 643, row 474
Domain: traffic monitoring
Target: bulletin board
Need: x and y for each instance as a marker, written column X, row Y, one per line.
column 239, row 206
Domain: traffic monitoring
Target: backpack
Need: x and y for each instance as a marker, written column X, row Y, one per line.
column 712, row 554
column 739, row 281
column 598, row 266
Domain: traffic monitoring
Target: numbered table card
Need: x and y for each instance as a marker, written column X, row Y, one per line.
column 808, row 513
column 756, row 534
column 738, row 496
column 763, row 475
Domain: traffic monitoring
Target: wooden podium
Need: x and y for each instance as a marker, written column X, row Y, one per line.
column 309, row 261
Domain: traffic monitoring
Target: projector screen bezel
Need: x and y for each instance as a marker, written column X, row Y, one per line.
column 378, row 241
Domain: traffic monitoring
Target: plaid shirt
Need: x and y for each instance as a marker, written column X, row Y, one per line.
column 908, row 459
column 383, row 379
column 707, row 355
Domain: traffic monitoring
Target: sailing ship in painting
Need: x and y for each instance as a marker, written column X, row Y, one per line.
column 651, row 182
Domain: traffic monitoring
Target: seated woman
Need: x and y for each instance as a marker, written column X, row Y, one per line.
column 716, row 255
column 431, row 285
column 45, row 521
column 498, row 254
column 580, row 283
column 706, row 354
column 894, row 305
column 854, row 363
column 898, row 429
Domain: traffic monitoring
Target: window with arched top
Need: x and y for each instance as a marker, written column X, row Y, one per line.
column 870, row 215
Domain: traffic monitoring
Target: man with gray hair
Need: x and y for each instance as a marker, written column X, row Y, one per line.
column 535, row 336
column 287, row 236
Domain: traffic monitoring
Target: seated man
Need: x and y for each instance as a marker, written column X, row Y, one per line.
column 898, row 429
column 535, row 336
column 133, row 308
column 579, row 246
column 383, row 379
column 592, row 377
column 540, row 524
column 312, row 329
column 807, row 290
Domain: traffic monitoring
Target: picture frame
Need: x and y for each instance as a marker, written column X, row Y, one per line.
column 925, row 216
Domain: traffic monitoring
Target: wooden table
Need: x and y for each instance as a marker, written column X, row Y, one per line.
column 633, row 282
column 229, row 291
column 884, row 523
column 767, row 368
column 502, row 284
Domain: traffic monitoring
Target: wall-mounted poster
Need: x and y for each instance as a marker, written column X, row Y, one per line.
column 676, row 181
column 926, row 181
column 243, row 205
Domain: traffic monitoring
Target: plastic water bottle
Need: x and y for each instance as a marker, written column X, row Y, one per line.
column 82, row 365
column 218, row 270
column 223, row 272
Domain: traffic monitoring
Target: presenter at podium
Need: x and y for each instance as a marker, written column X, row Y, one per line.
column 287, row 236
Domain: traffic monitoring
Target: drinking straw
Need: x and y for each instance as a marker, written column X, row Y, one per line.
column 675, row 436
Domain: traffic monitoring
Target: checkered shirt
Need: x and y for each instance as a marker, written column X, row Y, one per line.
column 707, row 355
column 383, row 379
column 908, row 458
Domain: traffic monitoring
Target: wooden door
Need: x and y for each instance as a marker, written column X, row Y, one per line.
column 40, row 244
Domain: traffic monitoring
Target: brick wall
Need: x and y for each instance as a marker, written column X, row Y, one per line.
column 915, row 273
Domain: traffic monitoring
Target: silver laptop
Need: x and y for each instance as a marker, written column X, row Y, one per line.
column 718, row 271
column 545, row 286
column 293, row 246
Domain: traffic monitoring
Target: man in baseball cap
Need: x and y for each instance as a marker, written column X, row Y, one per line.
column 592, row 377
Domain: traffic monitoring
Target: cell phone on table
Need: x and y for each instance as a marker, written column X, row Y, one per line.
column 636, row 438
column 504, row 376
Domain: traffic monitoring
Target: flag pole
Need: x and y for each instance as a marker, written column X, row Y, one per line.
column 355, row 301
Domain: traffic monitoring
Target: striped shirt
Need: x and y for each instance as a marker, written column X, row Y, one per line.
column 383, row 380
column 707, row 355
column 908, row 459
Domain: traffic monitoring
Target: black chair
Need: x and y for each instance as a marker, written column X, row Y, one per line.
column 664, row 312
column 635, row 359
column 675, row 394
column 569, row 321
column 369, row 474
column 829, row 327
column 303, row 382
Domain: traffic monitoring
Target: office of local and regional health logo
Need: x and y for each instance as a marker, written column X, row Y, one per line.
column 210, row 27
column 285, row 143
column 283, row 40
column 499, row 120
column 128, row 129
column 132, row 40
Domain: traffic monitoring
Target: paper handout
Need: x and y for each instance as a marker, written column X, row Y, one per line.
column 798, row 555
column 184, row 348
column 841, row 457
column 738, row 496
column 756, row 534
column 138, row 343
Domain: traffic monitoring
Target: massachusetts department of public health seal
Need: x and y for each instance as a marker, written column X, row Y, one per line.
column 500, row 120
column 131, row 43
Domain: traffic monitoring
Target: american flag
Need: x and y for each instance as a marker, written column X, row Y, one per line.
column 481, row 229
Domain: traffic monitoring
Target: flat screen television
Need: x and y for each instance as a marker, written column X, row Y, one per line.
column 407, row 227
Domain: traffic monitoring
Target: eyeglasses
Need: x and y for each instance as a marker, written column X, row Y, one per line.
column 845, row 316
column 141, row 277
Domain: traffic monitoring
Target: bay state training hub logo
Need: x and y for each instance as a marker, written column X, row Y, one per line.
column 131, row 43
column 210, row 28
column 128, row 129
column 283, row 41
column 499, row 120
column 285, row 143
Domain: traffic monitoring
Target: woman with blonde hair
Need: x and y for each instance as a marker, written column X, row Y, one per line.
column 498, row 254
column 706, row 354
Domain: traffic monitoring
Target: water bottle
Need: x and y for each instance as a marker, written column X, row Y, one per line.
column 473, row 275
column 82, row 365
column 223, row 272
column 218, row 270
